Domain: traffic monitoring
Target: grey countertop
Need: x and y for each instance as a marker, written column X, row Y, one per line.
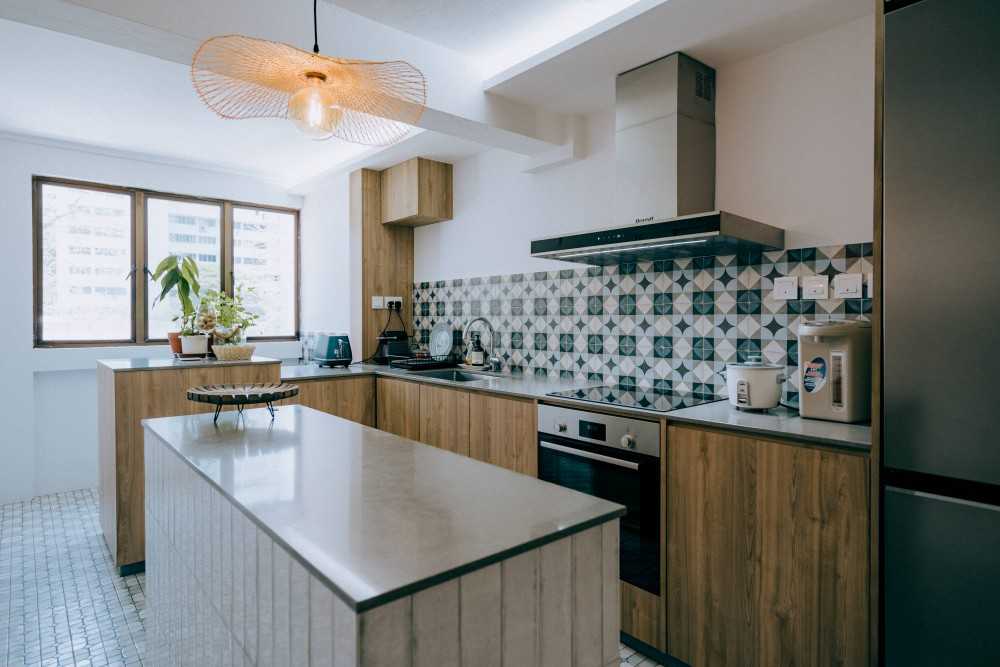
column 375, row 515
column 153, row 363
column 524, row 386
column 778, row 422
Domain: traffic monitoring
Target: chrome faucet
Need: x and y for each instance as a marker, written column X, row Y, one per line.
column 492, row 360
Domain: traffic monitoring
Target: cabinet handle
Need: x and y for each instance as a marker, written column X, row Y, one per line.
column 631, row 465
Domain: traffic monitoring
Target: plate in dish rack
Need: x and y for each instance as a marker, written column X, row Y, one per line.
column 440, row 342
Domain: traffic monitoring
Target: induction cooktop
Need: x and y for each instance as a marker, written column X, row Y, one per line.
column 631, row 396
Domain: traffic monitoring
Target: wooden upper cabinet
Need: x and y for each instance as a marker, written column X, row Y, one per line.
column 444, row 418
column 417, row 192
column 767, row 552
column 398, row 407
column 503, row 432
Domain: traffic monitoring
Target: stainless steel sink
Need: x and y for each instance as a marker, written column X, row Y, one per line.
column 453, row 375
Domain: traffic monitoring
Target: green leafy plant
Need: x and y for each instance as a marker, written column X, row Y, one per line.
column 232, row 317
column 180, row 274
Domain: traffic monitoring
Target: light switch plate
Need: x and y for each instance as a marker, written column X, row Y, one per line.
column 785, row 288
column 378, row 302
column 848, row 286
column 816, row 287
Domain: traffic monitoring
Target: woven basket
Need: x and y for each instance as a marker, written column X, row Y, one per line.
column 233, row 352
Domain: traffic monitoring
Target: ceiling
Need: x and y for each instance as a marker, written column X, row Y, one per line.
column 558, row 55
column 76, row 90
column 494, row 33
column 578, row 76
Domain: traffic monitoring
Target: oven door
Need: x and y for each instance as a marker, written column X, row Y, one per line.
column 624, row 477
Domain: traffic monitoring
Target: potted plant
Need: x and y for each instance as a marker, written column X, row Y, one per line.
column 232, row 322
column 180, row 274
column 193, row 340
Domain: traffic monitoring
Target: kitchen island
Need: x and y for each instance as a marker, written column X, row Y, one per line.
column 128, row 391
column 315, row 540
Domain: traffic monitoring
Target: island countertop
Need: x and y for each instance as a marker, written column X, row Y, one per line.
column 158, row 363
column 376, row 516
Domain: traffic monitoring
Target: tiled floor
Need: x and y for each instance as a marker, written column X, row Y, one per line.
column 61, row 602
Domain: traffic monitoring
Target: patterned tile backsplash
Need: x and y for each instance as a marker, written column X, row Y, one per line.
column 671, row 324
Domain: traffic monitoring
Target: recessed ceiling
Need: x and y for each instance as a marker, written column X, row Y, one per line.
column 494, row 33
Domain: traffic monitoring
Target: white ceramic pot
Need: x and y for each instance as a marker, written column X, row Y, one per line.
column 197, row 344
column 754, row 385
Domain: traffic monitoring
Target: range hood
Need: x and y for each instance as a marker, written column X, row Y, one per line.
column 665, row 176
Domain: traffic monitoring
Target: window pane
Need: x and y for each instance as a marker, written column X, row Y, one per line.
column 86, row 257
column 186, row 229
column 264, row 260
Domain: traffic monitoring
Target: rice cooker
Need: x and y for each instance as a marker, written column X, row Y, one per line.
column 754, row 385
column 835, row 370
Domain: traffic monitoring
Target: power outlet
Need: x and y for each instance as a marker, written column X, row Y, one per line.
column 785, row 288
column 394, row 302
column 816, row 287
column 847, row 285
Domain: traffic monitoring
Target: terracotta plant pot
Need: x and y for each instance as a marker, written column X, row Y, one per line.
column 174, row 338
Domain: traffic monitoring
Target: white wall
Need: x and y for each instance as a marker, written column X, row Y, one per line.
column 796, row 134
column 48, row 396
column 795, row 148
column 326, row 253
column 498, row 209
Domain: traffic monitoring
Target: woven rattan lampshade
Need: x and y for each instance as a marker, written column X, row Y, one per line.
column 360, row 101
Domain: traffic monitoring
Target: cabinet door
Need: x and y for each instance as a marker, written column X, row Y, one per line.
column 713, row 548
column 350, row 398
column 814, row 556
column 398, row 406
column 444, row 418
column 767, row 552
column 503, row 432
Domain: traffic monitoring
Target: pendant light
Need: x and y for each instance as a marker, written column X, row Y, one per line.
column 361, row 101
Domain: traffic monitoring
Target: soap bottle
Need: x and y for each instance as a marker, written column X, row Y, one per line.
column 477, row 355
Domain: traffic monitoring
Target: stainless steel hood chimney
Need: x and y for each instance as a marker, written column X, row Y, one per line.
column 665, row 175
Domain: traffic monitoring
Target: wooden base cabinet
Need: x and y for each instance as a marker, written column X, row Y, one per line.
column 352, row 398
column 444, row 418
column 496, row 429
column 767, row 552
column 504, row 432
column 398, row 407
column 124, row 399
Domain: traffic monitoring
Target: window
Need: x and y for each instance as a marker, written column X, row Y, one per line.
column 164, row 216
column 89, row 237
column 264, row 261
column 68, row 307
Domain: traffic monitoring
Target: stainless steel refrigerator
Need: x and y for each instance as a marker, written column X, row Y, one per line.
column 941, row 299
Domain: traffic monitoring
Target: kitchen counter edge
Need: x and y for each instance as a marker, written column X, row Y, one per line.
column 169, row 363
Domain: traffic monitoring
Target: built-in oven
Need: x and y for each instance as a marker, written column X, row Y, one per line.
column 615, row 458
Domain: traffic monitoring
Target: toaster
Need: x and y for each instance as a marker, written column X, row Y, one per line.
column 332, row 350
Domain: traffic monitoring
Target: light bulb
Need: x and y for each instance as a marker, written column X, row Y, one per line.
column 313, row 110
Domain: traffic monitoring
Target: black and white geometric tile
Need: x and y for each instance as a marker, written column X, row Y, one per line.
column 667, row 324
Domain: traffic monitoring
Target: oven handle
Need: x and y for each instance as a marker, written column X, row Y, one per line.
column 631, row 465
